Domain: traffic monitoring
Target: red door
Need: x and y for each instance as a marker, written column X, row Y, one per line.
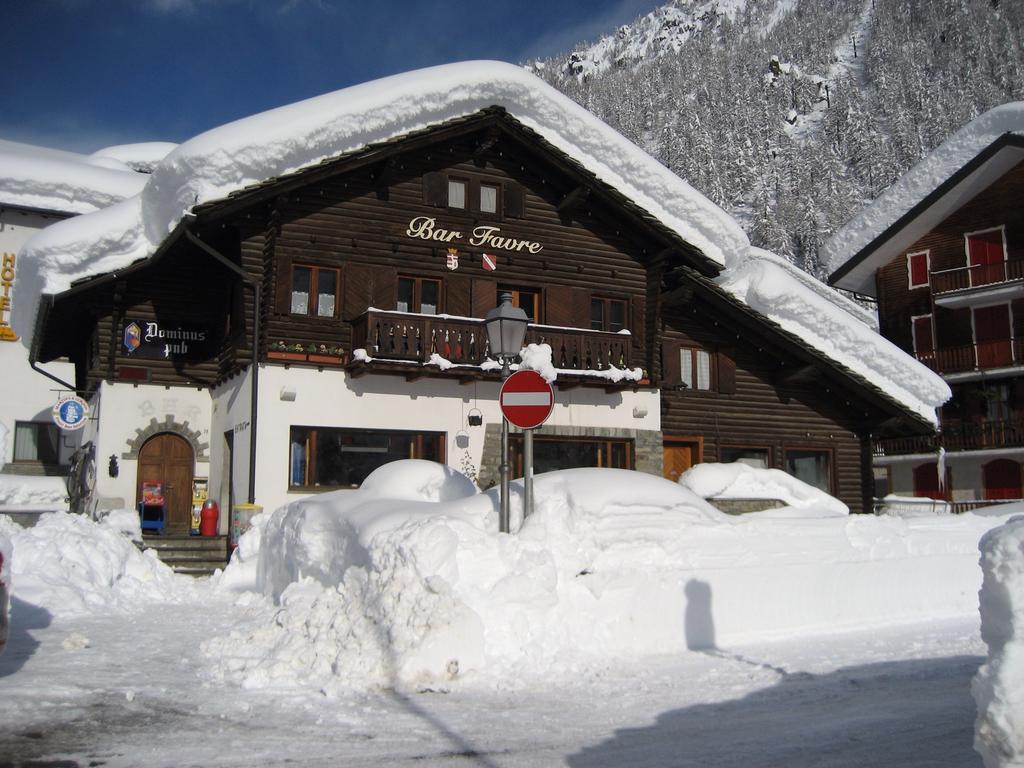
column 986, row 257
column 926, row 482
column 992, row 336
column 1002, row 479
column 168, row 459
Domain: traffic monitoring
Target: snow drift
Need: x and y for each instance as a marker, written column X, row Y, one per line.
column 740, row 481
column 71, row 565
column 390, row 585
column 998, row 688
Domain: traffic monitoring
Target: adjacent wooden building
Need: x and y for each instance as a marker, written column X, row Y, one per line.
column 943, row 254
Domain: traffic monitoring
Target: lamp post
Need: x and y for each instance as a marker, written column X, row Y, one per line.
column 506, row 330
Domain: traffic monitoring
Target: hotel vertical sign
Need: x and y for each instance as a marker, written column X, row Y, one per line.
column 6, row 288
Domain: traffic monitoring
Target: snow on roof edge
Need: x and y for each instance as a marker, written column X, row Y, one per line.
column 917, row 183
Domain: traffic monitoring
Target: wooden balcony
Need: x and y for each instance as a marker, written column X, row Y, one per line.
column 958, row 436
column 974, row 357
column 966, row 278
column 406, row 338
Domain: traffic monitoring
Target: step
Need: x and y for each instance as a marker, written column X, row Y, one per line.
column 190, row 555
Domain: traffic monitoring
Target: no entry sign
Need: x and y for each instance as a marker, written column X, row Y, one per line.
column 526, row 399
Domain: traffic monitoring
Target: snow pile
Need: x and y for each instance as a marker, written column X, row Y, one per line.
column 740, row 481
column 998, row 688
column 6, row 552
column 66, row 182
column 142, row 157
column 284, row 140
column 71, row 565
column 30, row 493
column 406, row 582
column 920, row 181
column 538, row 357
column 817, row 315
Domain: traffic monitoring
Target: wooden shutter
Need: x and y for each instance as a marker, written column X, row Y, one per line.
column 458, row 295
column 384, row 287
column 515, row 201
column 282, row 281
column 638, row 329
column 670, row 373
column 435, row 189
column 558, row 303
column 580, row 308
column 358, row 285
column 727, row 371
column 485, row 297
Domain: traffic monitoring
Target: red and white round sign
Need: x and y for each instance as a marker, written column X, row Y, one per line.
column 526, row 399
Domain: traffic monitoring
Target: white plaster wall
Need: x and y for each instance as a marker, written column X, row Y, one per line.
column 231, row 413
column 965, row 469
column 24, row 394
column 123, row 409
column 335, row 399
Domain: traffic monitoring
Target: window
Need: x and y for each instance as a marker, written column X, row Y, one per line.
column 813, row 467
column 457, row 193
column 759, row 458
column 418, row 294
column 917, row 268
column 695, row 369
column 488, row 198
column 314, row 291
column 551, row 453
column 36, row 441
column 342, row 458
column 527, row 299
column 924, row 340
column 607, row 314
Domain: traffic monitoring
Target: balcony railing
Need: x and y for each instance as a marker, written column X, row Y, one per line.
column 958, row 436
column 963, row 278
column 416, row 338
column 974, row 357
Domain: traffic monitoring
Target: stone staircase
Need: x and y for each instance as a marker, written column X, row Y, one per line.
column 192, row 555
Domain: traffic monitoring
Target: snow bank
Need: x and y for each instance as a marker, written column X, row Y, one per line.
column 67, row 182
column 29, row 493
column 71, row 565
column 920, row 181
column 6, row 552
column 817, row 315
column 740, row 481
column 390, row 586
column 284, row 140
column 998, row 688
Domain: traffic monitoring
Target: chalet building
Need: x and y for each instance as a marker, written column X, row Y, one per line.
column 943, row 253
column 321, row 313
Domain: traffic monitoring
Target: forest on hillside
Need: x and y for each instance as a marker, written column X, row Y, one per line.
column 791, row 115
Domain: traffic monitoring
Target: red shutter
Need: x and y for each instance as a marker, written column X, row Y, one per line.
column 924, row 343
column 918, row 263
column 985, row 255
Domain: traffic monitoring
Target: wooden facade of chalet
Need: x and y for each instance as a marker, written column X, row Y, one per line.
column 356, row 253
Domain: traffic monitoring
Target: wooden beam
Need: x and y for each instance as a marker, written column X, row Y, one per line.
column 414, row 375
column 681, row 293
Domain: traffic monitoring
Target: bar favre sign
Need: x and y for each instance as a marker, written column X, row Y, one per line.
column 163, row 341
column 484, row 236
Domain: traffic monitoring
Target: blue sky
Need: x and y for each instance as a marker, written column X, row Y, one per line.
column 83, row 74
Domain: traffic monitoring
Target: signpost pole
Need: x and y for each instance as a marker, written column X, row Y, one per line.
column 527, row 474
column 503, row 515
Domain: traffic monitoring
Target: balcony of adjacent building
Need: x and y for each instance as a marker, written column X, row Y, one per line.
column 958, row 436
column 417, row 345
column 972, row 360
column 984, row 283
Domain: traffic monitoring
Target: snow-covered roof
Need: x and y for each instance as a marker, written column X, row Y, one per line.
column 142, row 156
column 951, row 175
column 224, row 160
column 62, row 182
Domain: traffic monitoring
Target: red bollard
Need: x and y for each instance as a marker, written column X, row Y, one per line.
column 208, row 518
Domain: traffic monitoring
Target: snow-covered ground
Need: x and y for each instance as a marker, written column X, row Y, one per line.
column 579, row 640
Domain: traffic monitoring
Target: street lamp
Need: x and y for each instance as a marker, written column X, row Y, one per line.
column 506, row 330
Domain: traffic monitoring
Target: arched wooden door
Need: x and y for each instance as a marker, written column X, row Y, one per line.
column 168, row 459
column 926, row 482
column 1002, row 479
